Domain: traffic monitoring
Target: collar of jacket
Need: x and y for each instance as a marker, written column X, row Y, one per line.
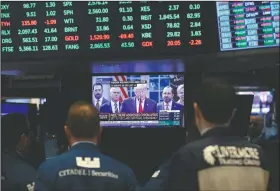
column 218, row 131
column 85, row 145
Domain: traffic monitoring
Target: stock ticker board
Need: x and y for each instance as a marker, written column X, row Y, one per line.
column 57, row 28
column 248, row 24
column 67, row 28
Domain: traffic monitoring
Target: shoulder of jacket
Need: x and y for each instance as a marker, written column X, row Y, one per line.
column 116, row 163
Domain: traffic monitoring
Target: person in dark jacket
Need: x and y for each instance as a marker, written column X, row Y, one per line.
column 16, row 173
column 219, row 160
column 270, row 145
column 83, row 167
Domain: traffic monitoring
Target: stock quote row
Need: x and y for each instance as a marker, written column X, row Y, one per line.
column 63, row 28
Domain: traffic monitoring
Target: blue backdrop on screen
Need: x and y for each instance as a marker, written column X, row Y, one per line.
column 7, row 108
column 139, row 66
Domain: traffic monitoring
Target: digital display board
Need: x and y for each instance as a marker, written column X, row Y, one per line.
column 248, row 24
column 62, row 28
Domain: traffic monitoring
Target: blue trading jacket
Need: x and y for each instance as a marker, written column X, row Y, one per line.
column 84, row 168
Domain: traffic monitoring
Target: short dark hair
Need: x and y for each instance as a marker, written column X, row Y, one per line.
column 97, row 84
column 172, row 90
column 216, row 100
column 83, row 120
column 13, row 126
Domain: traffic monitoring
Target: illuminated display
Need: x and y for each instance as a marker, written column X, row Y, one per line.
column 248, row 24
column 60, row 27
column 120, row 105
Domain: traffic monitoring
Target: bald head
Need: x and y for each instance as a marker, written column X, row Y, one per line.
column 83, row 120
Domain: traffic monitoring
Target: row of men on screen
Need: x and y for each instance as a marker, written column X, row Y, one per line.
column 217, row 161
column 139, row 103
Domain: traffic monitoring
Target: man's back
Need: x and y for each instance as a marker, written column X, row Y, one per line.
column 218, row 162
column 17, row 175
column 84, row 168
column 271, row 150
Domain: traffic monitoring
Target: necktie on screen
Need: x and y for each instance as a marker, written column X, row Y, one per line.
column 97, row 105
column 140, row 106
column 116, row 108
column 167, row 108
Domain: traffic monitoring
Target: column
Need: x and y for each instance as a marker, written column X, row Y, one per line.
column 51, row 38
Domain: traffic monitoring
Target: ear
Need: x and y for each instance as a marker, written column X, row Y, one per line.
column 196, row 109
column 67, row 131
column 195, row 106
column 24, row 142
column 100, row 130
column 99, row 135
column 24, row 139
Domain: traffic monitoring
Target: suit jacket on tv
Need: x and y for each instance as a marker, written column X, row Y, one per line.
column 175, row 106
column 104, row 100
column 129, row 105
column 107, row 107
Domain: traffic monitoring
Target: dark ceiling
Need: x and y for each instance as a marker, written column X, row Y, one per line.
column 221, row 62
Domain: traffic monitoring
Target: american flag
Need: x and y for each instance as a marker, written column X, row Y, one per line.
column 124, row 92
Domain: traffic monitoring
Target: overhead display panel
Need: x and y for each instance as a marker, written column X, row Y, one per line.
column 248, row 24
column 67, row 28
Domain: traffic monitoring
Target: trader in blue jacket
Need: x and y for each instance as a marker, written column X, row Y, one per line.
column 83, row 167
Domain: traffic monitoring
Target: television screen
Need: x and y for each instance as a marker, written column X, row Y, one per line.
column 248, row 24
column 262, row 101
column 36, row 101
column 139, row 101
column 7, row 108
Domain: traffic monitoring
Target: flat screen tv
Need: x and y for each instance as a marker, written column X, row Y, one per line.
column 139, row 101
column 262, row 101
column 7, row 108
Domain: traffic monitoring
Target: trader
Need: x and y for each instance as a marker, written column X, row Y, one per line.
column 140, row 103
column 114, row 105
column 218, row 161
column 98, row 99
column 270, row 145
column 83, row 167
column 16, row 173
